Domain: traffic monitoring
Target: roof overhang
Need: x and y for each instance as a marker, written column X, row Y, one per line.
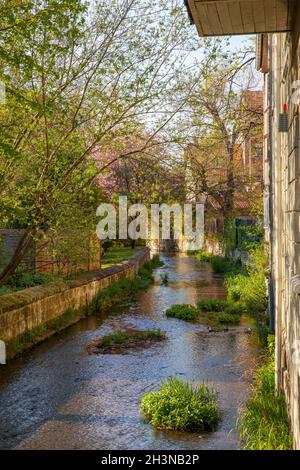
column 228, row 17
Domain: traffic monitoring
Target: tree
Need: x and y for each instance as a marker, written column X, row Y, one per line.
column 79, row 78
column 222, row 120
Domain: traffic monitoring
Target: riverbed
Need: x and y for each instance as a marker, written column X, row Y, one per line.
column 58, row 396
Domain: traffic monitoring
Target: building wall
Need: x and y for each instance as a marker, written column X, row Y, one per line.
column 282, row 212
column 42, row 258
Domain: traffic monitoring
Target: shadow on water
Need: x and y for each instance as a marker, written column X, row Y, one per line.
column 59, row 397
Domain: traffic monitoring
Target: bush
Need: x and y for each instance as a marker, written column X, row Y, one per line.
column 263, row 424
column 180, row 406
column 220, row 264
column 234, row 308
column 183, row 312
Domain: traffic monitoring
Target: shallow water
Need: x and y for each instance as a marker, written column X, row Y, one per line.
column 60, row 397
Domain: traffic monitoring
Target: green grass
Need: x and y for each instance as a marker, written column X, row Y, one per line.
column 116, row 255
column 183, row 312
column 179, row 406
column 263, row 424
column 212, row 305
column 220, row 311
column 129, row 338
column 20, row 281
column 226, row 318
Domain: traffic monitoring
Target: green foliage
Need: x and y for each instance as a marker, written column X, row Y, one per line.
column 243, row 235
column 212, row 305
column 183, row 312
column 220, row 264
column 25, row 280
column 129, row 338
column 200, row 255
column 21, row 281
column 217, row 305
column 250, row 288
column 78, row 89
column 263, row 424
column 180, row 406
column 116, row 255
column 226, row 318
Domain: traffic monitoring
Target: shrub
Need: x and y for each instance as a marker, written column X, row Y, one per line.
column 180, row 406
column 220, row 264
column 263, row 424
column 183, row 312
column 204, row 256
column 234, row 308
column 249, row 288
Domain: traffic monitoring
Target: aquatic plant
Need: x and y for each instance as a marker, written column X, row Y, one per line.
column 164, row 279
column 185, row 312
column 180, row 406
column 129, row 338
column 212, row 305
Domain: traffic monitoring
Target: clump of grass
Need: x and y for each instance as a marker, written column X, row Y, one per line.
column 129, row 338
column 183, row 312
column 226, row 318
column 164, row 279
column 220, row 311
column 234, row 308
column 212, row 305
column 179, row 406
column 203, row 256
column 263, row 424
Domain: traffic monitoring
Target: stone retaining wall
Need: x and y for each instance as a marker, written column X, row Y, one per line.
column 27, row 309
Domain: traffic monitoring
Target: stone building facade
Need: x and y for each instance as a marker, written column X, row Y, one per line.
column 281, row 53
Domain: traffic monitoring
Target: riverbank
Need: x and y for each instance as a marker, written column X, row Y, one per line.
column 32, row 315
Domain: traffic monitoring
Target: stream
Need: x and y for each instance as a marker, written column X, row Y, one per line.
column 58, row 396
